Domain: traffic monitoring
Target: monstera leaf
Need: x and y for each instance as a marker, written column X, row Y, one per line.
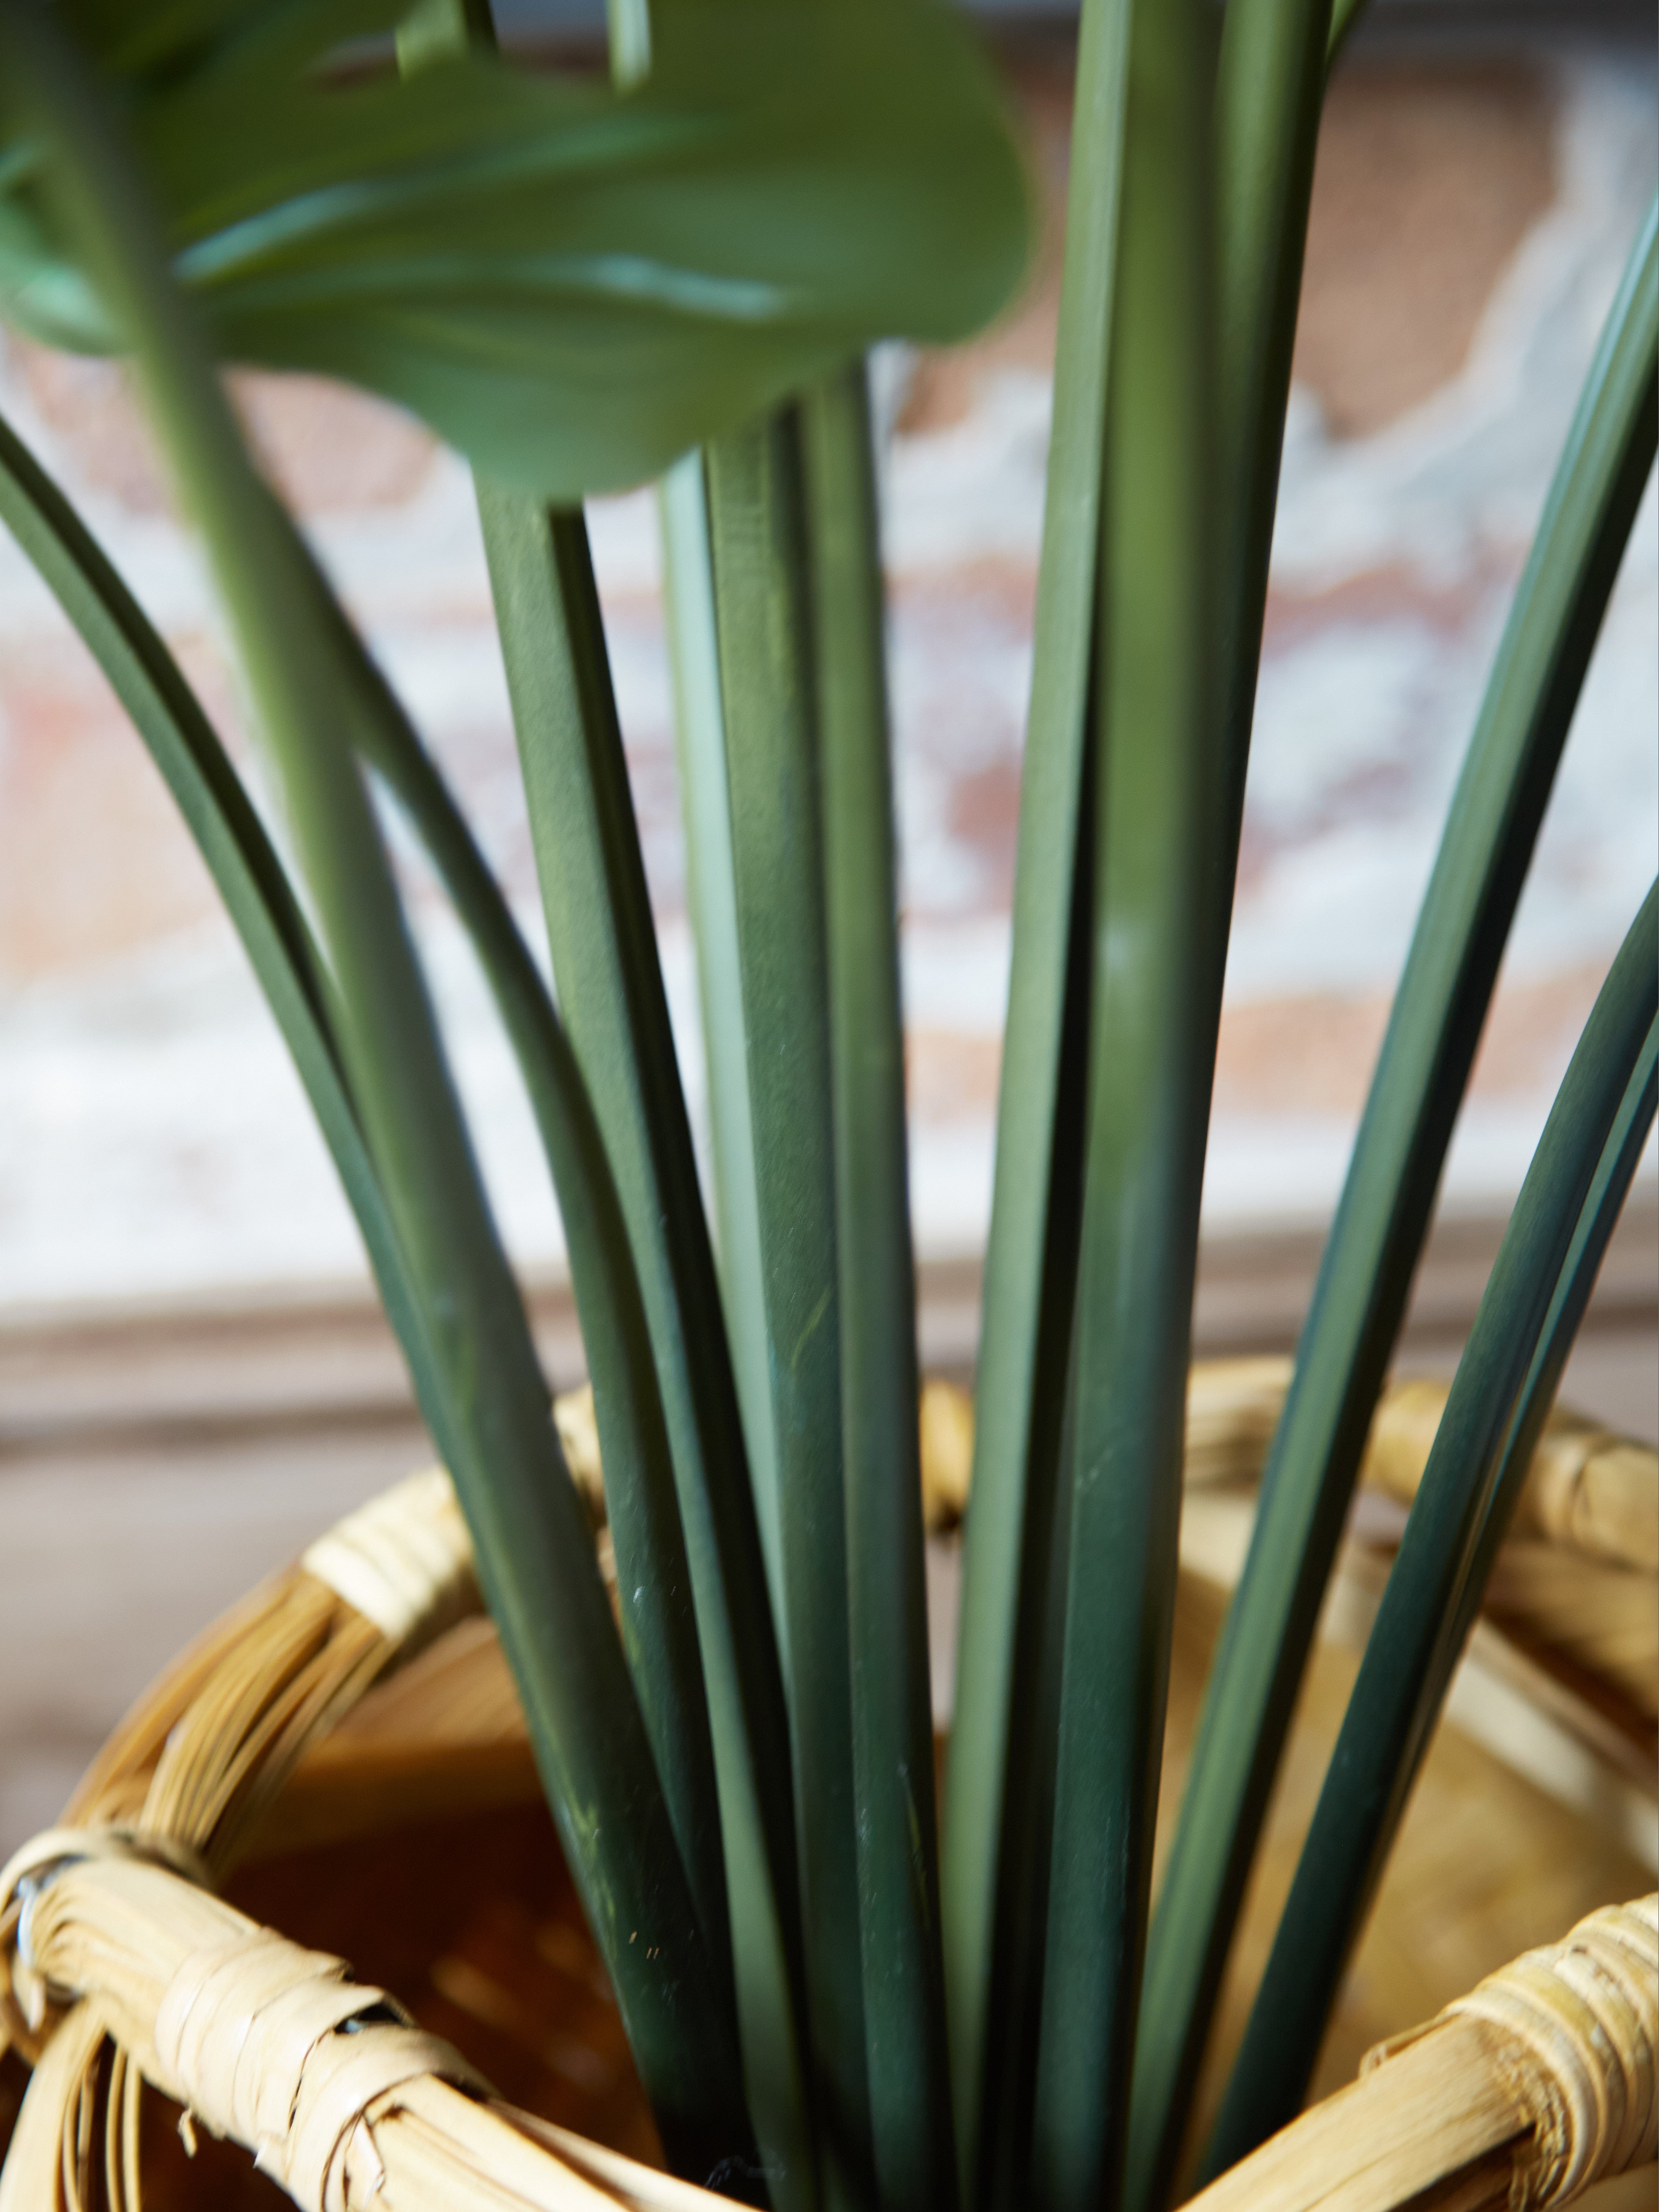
column 572, row 283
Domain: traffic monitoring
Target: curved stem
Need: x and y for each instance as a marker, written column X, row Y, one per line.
column 1499, row 1399
column 1382, row 1216
column 535, row 1558
column 239, row 855
column 653, row 1577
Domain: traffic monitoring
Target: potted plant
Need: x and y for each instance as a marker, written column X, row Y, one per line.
column 576, row 283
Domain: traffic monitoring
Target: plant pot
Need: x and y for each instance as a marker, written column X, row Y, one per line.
column 342, row 1757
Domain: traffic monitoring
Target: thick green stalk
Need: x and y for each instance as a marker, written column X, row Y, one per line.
column 654, row 1578
column 764, row 617
column 1269, row 84
column 1008, row 2113
column 630, row 25
column 610, row 992
column 1620, row 1158
column 700, row 734
column 1030, row 1265
column 1270, row 81
column 240, row 857
column 1014, row 2011
column 1164, row 846
column 436, row 30
column 914, row 2149
column 1384, row 1210
column 535, row 1558
column 603, row 941
column 1456, row 1522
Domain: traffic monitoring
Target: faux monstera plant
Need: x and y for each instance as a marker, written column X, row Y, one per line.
column 581, row 283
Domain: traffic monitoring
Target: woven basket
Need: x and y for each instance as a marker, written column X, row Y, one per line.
column 342, row 1757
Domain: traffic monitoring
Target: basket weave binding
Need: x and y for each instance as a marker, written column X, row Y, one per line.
column 340, row 2098
column 1544, row 2072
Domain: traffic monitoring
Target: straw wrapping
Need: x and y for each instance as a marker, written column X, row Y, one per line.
column 344, row 2103
column 259, row 2040
column 404, row 1561
column 27, row 1995
column 30, row 1870
column 1574, row 2030
column 274, row 2047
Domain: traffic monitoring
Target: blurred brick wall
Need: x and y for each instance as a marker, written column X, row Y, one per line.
column 1472, row 208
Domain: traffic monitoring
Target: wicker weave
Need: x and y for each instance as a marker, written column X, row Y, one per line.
column 360, row 1697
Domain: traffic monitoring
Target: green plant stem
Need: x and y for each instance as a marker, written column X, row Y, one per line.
column 239, row 855
column 700, row 734
column 605, row 962
column 1162, row 842
column 1498, row 1402
column 602, row 943
column 784, row 2118
column 727, row 1755
column 629, row 23
column 1030, row 1262
column 1008, row 2114
column 1620, row 1158
column 1270, row 81
column 654, row 1578
column 764, row 616
column 1270, row 77
column 1383, row 1214
column 535, row 1558
column 914, row 2149
column 438, row 30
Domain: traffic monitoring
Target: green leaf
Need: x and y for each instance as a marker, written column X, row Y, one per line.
column 913, row 2150
column 162, row 44
column 572, row 283
column 1030, row 1262
column 761, row 593
column 535, row 1558
column 611, row 989
column 1164, row 842
column 1499, row 1399
column 1383, row 1214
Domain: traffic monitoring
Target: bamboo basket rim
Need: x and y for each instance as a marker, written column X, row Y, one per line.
column 119, row 1965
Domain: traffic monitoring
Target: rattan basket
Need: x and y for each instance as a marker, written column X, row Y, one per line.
column 342, row 1757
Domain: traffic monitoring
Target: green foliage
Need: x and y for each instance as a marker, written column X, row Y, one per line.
column 575, row 283
column 1164, row 839
column 535, row 1558
column 1482, row 1451
column 245, row 870
column 1383, row 1214
column 610, row 990
column 911, row 2143
column 996, row 1843
column 572, row 283
column 757, row 505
